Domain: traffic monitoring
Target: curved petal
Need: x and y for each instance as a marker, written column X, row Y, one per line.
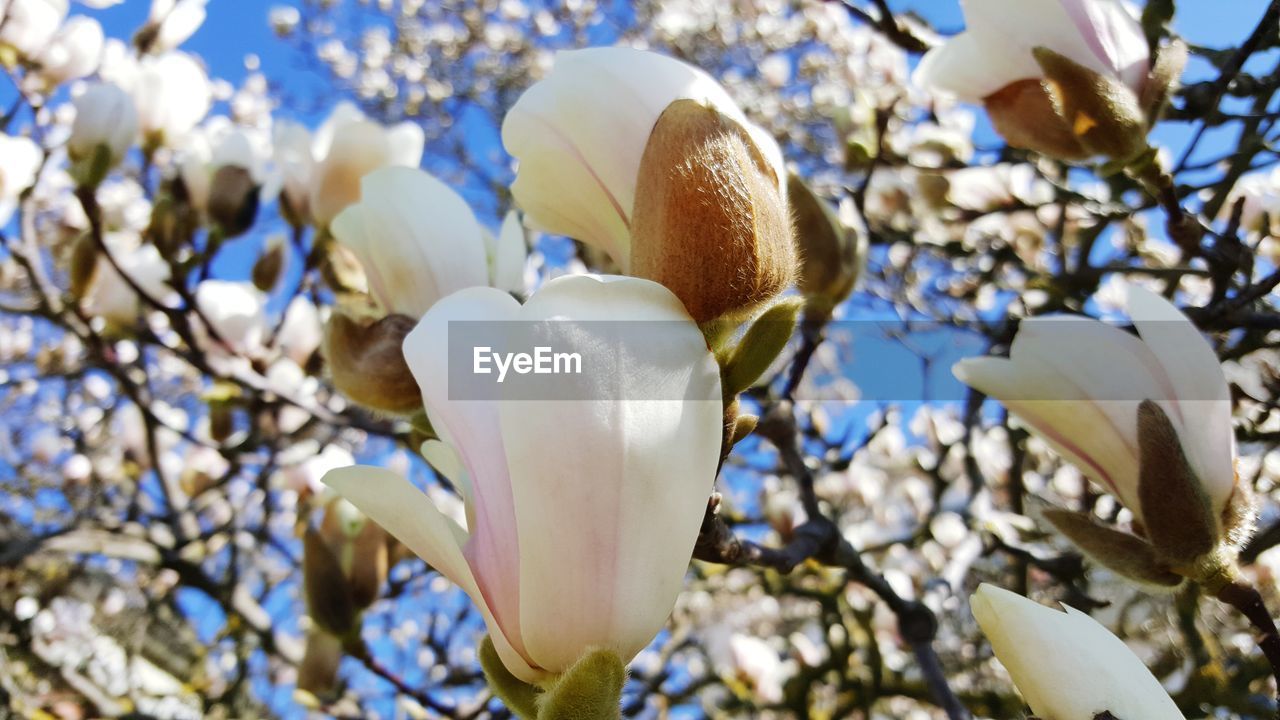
column 472, row 428
column 508, row 255
column 1115, row 36
column 1066, row 664
column 357, row 149
column 580, row 132
column 405, row 512
column 416, row 239
column 643, row 445
column 406, row 142
column 1200, row 403
column 971, row 69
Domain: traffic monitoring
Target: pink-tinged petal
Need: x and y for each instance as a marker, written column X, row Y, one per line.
column 357, row 149
column 1200, row 403
column 1115, row 36
column 472, row 428
column 607, row 529
column 408, row 514
column 446, row 461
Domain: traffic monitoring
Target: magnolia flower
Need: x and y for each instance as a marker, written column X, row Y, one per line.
column 1067, row 666
column 236, row 312
column 300, row 331
column 74, row 52
column 1078, row 382
column 581, row 513
column 348, row 147
column 172, row 94
column 113, row 298
column 28, row 25
column 1030, row 63
column 620, row 148
column 20, row 160
column 223, row 167
column 106, row 118
column 294, row 157
column 170, row 23
column 416, row 238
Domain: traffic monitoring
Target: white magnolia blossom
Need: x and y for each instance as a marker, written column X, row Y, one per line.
column 236, row 313
column 579, row 135
column 1077, row 383
column 561, row 553
column 416, row 239
column 113, row 298
column 172, row 94
column 219, row 144
column 301, row 331
column 175, row 21
column 344, row 149
column 20, row 160
column 1067, row 665
column 74, row 52
column 995, row 48
column 105, row 116
column 29, row 25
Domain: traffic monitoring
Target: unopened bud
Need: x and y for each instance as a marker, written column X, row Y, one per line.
column 104, row 129
column 1163, row 80
column 267, row 269
column 82, row 265
column 173, row 221
column 1102, row 112
column 709, row 220
column 367, row 363
column 831, row 253
column 1023, row 113
column 328, row 598
column 233, row 200
column 318, row 673
column 340, row 268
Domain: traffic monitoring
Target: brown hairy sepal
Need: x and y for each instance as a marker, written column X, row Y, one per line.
column 366, row 362
column 709, row 221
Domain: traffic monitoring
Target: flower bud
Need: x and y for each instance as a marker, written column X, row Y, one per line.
column 832, row 254
column 233, row 200
column 74, row 52
column 1067, row 665
column 269, row 265
column 27, row 26
column 172, row 94
column 367, row 364
column 169, row 24
column 710, row 222
column 104, row 129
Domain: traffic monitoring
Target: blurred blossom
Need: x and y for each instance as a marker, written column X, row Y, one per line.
column 300, row 331
column 20, row 160
column 171, row 22
column 349, row 146
column 236, row 314
column 284, row 19
column 73, row 53
column 28, row 25
column 416, row 239
column 172, row 94
column 105, row 118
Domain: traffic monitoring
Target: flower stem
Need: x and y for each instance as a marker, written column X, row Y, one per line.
column 1246, row 598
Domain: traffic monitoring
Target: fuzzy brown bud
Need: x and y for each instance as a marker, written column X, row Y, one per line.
column 367, row 363
column 233, row 200
column 709, row 221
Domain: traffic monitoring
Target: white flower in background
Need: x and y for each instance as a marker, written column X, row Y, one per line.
column 236, row 311
column 507, row 253
column 416, row 239
column 217, row 145
column 74, row 52
column 172, row 94
column 757, row 662
column 113, row 298
column 581, row 514
column 305, row 477
column 172, row 22
column 20, row 160
column 580, row 132
column 28, row 25
column 995, row 49
column 105, row 117
column 1067, row 665
column 294, row 157
column 349, row 146
column 301, row 330
column 1078, row 382
column 1259, row 194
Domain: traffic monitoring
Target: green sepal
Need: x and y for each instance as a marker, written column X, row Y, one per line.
column 590, row 690
column 518, row 696
column 760, row 346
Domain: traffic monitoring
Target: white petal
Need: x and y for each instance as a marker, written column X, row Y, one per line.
column 1114, row 33
column 405, row 512
column 644, row 446
column 416, row 239
column 407, row 142
column 971, row 69
column 508, row 255
column 1200, row 403
column 1068, row 666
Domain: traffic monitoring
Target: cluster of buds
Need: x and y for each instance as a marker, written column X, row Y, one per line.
column 1148, row 419
column 1070, row 79
column 344, row 564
